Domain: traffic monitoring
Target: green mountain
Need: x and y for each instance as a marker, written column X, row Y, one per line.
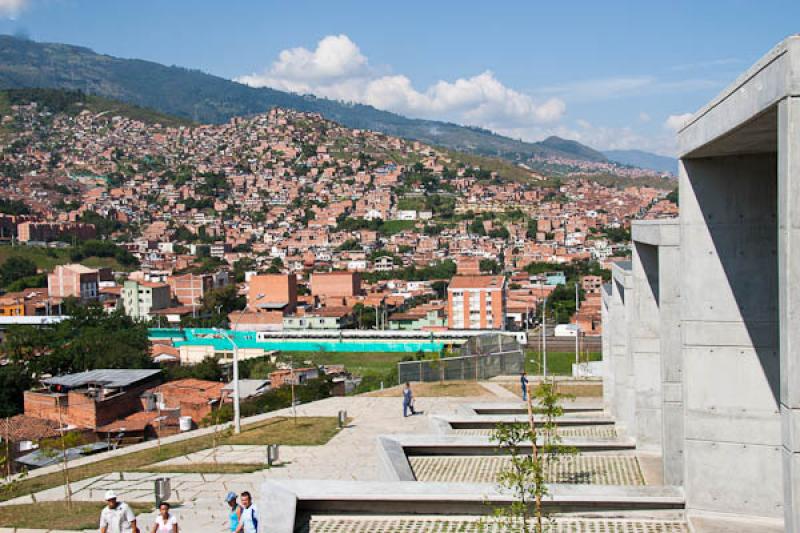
column 73, row 102
column 201, row 97
column 637, row 158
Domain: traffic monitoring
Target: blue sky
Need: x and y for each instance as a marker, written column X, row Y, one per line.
column 610, row 74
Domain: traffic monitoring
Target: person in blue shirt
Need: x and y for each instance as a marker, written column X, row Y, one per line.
column 235, row 512
column 523, row 381
column 408, row 400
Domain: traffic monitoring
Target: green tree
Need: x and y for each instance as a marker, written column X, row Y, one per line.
column 91, row 338
column 275, row 266
column 499, row 233
column 14, row 381
column 14, row 207
column 241, row 266
column 15, row 268
column 476, row 227
column 618, row 234
column 208, row 369
column 440, row 288
column 490, row 266
column 365, row 316
column 30, row 282
column 527, row 474
column 673, row 196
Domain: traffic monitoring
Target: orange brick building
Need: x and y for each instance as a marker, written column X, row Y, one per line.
column 90, row 399
column 273, row 292
column 335, row 284
column 476, row 302
column 192, row 397
column 47, row 231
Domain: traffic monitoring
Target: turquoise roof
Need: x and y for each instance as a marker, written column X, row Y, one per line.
column 247, row 339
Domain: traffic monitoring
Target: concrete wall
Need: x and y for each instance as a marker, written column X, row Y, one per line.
column 608, row 360
column 656, row 269
column 671, row 361
column 789, row 299
column 621, row 313
column 729, row 295
column 645, row 346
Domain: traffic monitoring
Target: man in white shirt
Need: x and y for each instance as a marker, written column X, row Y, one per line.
column 117, row 517
column 248, row 523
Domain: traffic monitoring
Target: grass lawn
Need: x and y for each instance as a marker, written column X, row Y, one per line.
column 306, row 431
column 207, row 468
column 56, row 515
column 390, row 227
column 558, row 363
column 435, row 389
column 49, row 258
column 360, row 363
column 588, row 389
column 275, row 431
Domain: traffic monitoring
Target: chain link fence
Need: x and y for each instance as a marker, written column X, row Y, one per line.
column 481, row 357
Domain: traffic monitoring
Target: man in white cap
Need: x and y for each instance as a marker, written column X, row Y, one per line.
column 117, row 517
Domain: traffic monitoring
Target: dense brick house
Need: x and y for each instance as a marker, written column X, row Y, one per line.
column 90, row 399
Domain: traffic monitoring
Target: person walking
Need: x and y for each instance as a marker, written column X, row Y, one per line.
column 117, row 516
column 408, row 400
column 235, row 513
column 523, row 381
column 166, row 522
column 248, row 521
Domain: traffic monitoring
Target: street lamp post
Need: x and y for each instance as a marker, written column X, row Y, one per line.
column 237, row 417
column 544, row 338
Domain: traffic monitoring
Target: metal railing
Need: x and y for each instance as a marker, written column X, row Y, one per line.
column 467, row 367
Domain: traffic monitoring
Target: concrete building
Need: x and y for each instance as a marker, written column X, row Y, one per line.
column 477, row 302
column 297, row 376
column 335, row 284
column 273, row 292
column 702, row 330
column 76, row 281
column 140, row 298
column 326, row 318
column 591, row 284
column 189, row 289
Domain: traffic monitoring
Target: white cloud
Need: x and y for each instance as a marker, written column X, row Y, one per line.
column 676, row 122
column 12, row 8
column 644, row 117
column 337, row 69
column 336, row 60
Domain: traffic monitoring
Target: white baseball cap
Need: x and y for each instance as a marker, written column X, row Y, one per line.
column 111, row 495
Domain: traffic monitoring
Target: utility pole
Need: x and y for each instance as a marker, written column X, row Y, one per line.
column 294, row 402
column 544, row 337
column 237, row 417
column 577, row 329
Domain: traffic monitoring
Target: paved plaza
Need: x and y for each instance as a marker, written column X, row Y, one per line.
column 578, row 469
column 593, row 432
column 353, row 455
column 344, row 524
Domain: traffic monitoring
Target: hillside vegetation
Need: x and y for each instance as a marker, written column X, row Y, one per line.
column 199, row 97
column 74, row 101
